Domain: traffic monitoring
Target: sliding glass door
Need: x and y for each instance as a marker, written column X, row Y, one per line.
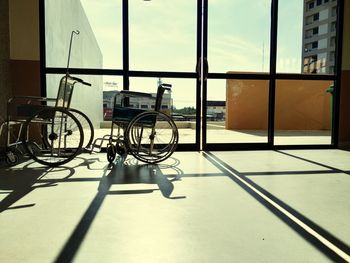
column 244, row 74
column 131, row 45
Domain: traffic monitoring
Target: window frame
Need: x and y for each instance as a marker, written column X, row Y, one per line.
column 272, row 76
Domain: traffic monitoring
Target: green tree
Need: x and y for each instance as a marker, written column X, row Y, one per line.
column 186, row 111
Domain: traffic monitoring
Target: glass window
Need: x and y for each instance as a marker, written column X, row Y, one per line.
column 241, row 113
column 239, row 36
column 299, row 49
column 84, row 98
column 333, row 26
column 316, row 16
column 163, row 35
column 95, row 101
column 179, row 103
column 332, row 42
column 99, row 43
column 289, row 37
column 303, row 112
column 310, row 64
column 334, row 11
column 311, row 5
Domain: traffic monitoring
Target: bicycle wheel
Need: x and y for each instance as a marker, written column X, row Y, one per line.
column 87, row 126
column 152, row 137
column 57, row 134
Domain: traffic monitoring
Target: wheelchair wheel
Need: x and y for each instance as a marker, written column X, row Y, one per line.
column 111, row 153
column 87, row 126
column 120, row 147
column 57, row 134
column 152, row 137
column 11, row 158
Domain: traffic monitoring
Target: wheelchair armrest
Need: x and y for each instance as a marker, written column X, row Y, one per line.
column 29, row 99
column 128, row 93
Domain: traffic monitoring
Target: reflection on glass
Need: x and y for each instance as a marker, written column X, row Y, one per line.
column 306, row 40
column 99, row 44
column 237, row 111
column 163, row 35
column 239, row 35
column 303, row 112
column 180, row 103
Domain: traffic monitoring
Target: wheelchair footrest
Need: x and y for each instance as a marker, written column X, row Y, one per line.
column 97, row 144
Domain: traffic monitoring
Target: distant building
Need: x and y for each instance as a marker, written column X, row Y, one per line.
column 319, row 36
column 110, row 85
column 216, row 109
column 135, row 102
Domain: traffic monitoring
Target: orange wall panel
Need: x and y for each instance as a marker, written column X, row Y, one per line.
column 247, row 104
column 300, row 105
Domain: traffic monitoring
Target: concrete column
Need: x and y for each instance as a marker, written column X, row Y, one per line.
column 24, row 47
column 344, row 125
column 5, row 85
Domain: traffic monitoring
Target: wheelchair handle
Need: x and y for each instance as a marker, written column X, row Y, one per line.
column 166, row 86
column 80, row 81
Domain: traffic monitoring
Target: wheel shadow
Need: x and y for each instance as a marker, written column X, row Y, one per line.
column 18, row 181
column 122, row 172
column 132, row 172
column 297, row 221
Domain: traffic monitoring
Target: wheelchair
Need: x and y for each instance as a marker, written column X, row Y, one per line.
column 52, row 135
column 151, row 136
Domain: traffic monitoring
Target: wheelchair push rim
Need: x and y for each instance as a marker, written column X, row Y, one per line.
column 152, row 137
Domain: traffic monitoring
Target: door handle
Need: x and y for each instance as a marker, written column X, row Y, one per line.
column 205, row 68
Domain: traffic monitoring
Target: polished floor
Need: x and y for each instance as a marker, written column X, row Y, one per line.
column 252, row 206
column 222, row 135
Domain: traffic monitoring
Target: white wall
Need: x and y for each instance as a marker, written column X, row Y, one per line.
column 61, row 17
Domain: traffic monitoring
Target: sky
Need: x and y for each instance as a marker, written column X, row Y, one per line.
column 162, row 37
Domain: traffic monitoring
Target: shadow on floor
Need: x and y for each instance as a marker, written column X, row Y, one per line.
column 331, row 169
column 283, row 211
column 18, row 181
column 121, row 172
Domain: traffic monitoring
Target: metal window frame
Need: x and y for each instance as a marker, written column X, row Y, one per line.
column 272, row 76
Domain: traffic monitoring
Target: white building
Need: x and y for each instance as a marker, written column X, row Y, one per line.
column 319, row 36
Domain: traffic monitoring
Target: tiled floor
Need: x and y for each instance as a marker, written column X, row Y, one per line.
column 253, row 206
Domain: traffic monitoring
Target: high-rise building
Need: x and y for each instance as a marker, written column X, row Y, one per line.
column 319, row 36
